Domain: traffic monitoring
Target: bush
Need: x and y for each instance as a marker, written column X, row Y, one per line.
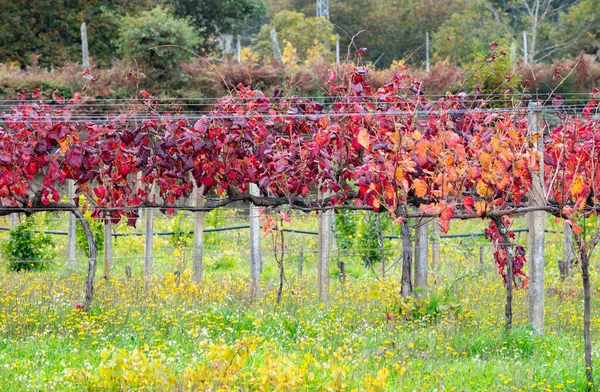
column 27, row 250
column 183, row 230
column 97, row 228
column 491, row 77
column 142, row 36
column 371, row 245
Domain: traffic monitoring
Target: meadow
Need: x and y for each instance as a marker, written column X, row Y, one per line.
column 181, row 336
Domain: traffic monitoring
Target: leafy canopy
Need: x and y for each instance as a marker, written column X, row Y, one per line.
column 300, row 31
column 143, row 37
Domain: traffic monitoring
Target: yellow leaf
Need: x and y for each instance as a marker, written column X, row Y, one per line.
column 399, row 174
column 363, row 138
column 577, row 185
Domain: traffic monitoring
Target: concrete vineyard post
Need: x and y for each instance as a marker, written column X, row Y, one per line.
column 198, row 235
column 324, row 253
column 255, row 255
column 108, row 253
column 421, row 254
column 435, row 245
column 148, row 249
column 85, row 55
column 536, row 222
column 71, row 231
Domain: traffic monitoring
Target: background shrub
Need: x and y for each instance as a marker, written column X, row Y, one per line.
column 141, row 38
column 26, row 249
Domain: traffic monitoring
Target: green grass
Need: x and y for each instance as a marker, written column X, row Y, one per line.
column 366, row 338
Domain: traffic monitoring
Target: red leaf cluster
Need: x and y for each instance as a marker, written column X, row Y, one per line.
column 390, row 150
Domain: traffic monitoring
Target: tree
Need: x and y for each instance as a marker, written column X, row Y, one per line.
column 577, row 29
column 52, row 32
column 297, row 30
column 394, row 28
column 552, row 26
column 213, row 18
column 466, row 35
column 157, row 42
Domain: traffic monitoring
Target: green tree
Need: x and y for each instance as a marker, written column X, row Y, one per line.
column 51, row 31
column 212, row 18
column 554, row 28
column 465, row 35
column 143, row 37
column 300, row 31
column 578, row 29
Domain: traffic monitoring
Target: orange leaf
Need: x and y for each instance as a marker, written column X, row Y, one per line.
column 480, row 207
column 485, row 159
column 399, row 174
column 484, row 189
column 64, row 146
column 576, row 229
column 376, row 204
column 363, row 138
column 420, row 187
column 497, row 144
column 474, row 172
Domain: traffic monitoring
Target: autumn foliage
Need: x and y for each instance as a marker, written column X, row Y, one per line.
column 391, row 150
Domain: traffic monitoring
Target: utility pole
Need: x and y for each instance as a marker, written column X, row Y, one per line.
column 525, row 46
column 427, row 67
column 276, row 49
column 85, row 55
column 323, row 8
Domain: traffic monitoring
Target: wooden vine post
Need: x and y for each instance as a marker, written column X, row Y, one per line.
column 536, row 221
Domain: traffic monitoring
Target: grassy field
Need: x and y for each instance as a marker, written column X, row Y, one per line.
column 182, row 336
